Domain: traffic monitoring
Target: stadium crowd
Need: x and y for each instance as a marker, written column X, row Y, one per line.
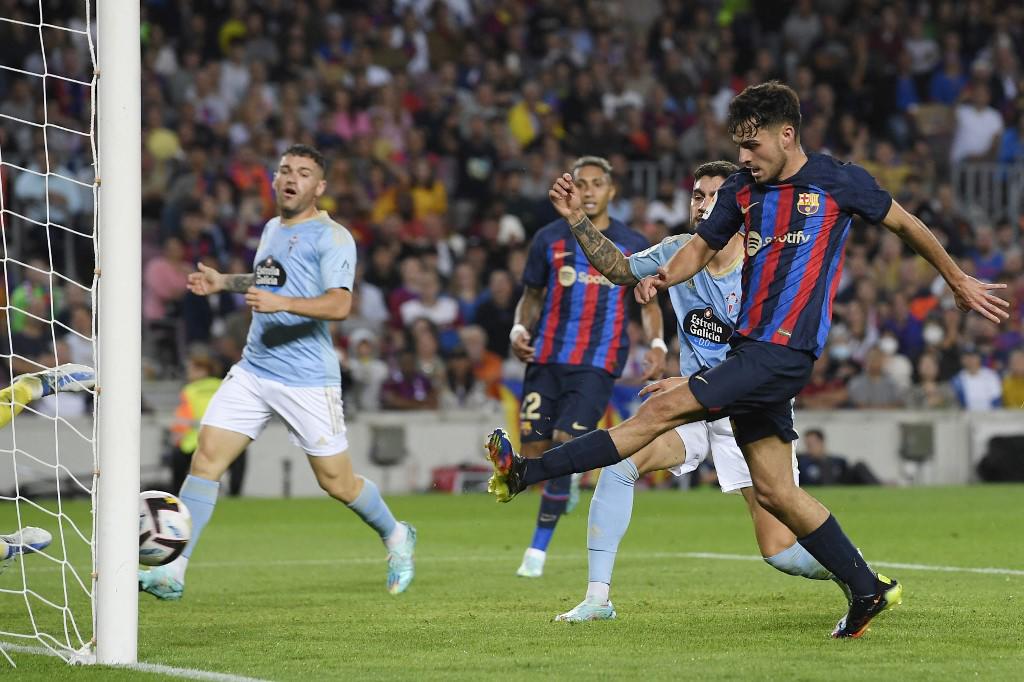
column 445, row 122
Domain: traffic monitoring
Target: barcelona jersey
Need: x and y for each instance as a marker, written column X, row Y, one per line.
column 584, row 318
column 795, row 233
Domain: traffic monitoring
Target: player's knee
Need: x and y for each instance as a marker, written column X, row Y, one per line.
column 206, row 465
column 775, row 499
column 342, row 487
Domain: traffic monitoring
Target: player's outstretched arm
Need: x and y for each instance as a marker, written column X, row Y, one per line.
column 970, row 293
column 654, row 333
column 209, row 281
column 600, row 251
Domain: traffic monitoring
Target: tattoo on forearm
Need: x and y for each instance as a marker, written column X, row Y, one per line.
column 602, row 253
column 238, row 283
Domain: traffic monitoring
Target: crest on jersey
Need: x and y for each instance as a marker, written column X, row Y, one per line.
column 807, row 203
column 566, row 275
column 732, row 301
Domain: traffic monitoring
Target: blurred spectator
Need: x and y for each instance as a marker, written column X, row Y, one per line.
column 976, row 387
column 496, row 312
column 817, row 466
column 487, row 365
column 164, row 281
column 432, row 304
column 872, row 388
column 462, row 389
column 367, row 370
column 930, row 392
column 35, row 287
column 979, row 128
column 822, row 392
column 407, row 388
column 1013, row 382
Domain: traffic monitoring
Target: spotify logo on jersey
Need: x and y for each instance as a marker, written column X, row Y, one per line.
column 270, row 273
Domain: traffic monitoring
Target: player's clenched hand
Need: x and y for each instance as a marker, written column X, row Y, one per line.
column 973, row 294
column 654, row 364
column 205, row 282
column 521, row 347
column 661, row 386
column 647, row 289
column 564, row 197
column 263, row 301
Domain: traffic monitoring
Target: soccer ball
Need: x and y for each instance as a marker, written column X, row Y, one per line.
column 165, row 527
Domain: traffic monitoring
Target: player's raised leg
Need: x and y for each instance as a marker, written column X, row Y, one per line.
column 29, row 387
column 335, row 475
column 28, row 540
column 217, row 449
column 671, row 404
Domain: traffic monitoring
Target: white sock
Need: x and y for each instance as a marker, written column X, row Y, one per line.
column 536, row 553
column 397, row 537
column 598, row 592
column 177, row 568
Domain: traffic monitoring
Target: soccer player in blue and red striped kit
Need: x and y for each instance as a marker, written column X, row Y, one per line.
column 796, row 211
column 580, row 344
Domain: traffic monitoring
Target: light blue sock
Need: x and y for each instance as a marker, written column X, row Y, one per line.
column 796, row 560
column 372, row 509
column 610, row 511
column 199, row 496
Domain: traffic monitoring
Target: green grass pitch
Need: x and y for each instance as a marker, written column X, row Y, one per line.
column 294, row 590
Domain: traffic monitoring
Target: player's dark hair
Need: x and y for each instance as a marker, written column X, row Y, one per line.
column 715, row 169
column 763, row 106
column 308, row 152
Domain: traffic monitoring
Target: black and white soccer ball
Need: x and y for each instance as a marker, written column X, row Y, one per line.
column 165, row 527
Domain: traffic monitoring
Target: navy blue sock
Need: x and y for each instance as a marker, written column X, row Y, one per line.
column 590, row 451
column 833, row 550
column 552, row 505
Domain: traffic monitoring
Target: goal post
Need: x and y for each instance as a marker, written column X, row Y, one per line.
column 119, row 342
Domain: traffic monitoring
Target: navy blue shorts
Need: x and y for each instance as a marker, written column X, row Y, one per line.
column 755, row 386
column 570, row 398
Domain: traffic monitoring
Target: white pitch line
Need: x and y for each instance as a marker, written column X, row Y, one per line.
column 627, row 555
column 171, row 671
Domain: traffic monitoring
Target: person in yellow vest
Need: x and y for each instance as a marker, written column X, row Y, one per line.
column 1013, row 382
column 203, row 372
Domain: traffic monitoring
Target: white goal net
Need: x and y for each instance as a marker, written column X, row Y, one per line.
column 50, row 219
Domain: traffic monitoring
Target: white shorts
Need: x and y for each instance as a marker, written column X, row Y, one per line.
column 715, row 438
column 245, row 402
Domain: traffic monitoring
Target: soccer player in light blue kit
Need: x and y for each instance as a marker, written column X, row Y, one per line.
column 303, row 276
column 706, row 308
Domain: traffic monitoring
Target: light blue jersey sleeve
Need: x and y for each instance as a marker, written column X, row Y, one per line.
column 337, row 258
column 647, row 262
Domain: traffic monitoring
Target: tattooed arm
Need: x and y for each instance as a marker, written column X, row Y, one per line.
column 601, row 251
column 208, row 281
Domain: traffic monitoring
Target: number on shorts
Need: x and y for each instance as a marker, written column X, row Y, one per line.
column 531, row 407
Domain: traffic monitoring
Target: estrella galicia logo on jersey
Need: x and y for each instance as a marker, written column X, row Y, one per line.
column 705, row 329
column 270, row 273
column 808, row 203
